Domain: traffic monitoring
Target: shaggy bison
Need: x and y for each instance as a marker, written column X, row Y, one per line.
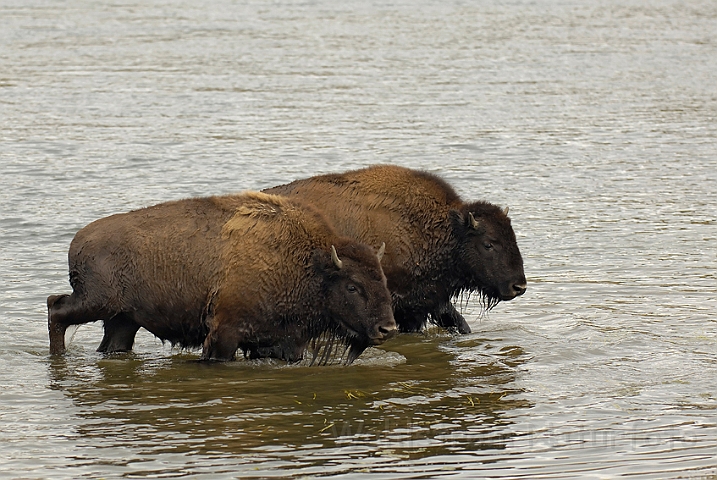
column 437, row 245
column 255, row 272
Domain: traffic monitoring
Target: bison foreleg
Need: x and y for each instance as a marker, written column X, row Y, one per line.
column 221, row 343
column 120, row 331
column 448, row 317
column 409, row 320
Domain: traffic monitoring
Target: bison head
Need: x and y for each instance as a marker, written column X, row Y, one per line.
column 488, row 256
column 357, row 300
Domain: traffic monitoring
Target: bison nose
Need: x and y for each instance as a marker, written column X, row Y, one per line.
column 385, row 330
column 519, row 288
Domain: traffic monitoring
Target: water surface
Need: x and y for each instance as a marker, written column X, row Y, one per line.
column 595, row 124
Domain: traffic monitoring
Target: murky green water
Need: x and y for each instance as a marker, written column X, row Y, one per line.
column 596, row 124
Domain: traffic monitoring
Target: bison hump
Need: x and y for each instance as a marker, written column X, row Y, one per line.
column 401, row 185
column 276, row 217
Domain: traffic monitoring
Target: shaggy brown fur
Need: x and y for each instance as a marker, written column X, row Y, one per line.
column 437, row 245
column 251, row 271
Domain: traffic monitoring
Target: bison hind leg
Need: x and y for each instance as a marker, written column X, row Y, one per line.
column 66, row 310
column 55, row 326
column 120, row 331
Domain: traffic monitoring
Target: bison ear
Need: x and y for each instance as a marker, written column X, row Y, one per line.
column 381, row 251
column 459, row 222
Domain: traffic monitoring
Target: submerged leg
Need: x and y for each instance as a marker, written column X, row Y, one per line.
column 56, row 328
column 66, row 310
column 448, row 317
column 120, row 331
column 222, row 341
column 409, row 320
column 288, row 351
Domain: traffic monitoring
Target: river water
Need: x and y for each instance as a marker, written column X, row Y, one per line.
column 595, row 122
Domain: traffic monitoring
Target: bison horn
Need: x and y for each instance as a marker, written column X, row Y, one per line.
column 505, row 211
column 474, row 222
column 337, row 261
column 381, row 251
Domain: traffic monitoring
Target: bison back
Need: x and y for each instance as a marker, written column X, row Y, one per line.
column 406, row 209
column 157, row 263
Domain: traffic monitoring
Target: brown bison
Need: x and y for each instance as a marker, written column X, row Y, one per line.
column 256, row 272
column 437, row 246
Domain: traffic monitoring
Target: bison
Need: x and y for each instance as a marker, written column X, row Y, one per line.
column 437, row 245
column 256, row 272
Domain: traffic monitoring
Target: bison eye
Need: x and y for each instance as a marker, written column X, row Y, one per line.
column 351, row 288
column 488, row 245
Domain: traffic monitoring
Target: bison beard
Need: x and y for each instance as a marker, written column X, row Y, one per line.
column 332, row 345
column 487, row 299
column 253, row 272
column 327, row 346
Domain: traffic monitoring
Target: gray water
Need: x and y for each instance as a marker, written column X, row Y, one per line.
column 595, row 122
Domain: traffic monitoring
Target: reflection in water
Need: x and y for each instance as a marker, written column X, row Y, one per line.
column 257, row 411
